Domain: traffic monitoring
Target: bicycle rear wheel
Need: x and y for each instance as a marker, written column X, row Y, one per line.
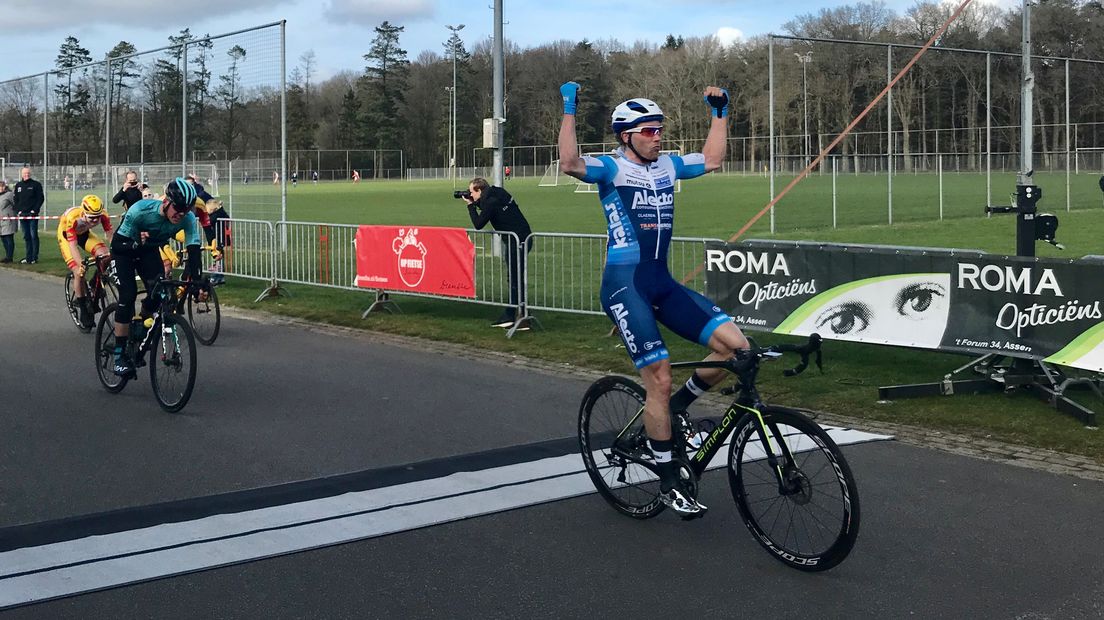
column 71, row 302
column 105, row 351
column 205, row 316
column 811, row 521
column 173, row 362
column 612, row 411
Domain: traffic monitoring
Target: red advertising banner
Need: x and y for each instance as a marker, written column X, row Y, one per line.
column 424, row 259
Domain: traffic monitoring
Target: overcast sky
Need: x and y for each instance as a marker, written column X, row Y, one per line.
column 340, row 31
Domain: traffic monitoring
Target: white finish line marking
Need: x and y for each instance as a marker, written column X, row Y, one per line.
column 41, row 573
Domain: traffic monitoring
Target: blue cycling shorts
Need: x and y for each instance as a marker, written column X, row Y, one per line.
column 636, row 296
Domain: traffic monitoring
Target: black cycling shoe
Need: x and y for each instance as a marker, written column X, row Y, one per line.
column 124, row 367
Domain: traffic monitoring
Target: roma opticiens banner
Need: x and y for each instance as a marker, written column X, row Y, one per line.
column 927, row 298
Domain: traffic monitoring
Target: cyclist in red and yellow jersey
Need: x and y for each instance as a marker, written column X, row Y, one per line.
column 74, row 232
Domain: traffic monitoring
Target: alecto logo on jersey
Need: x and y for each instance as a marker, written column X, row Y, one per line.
column 652, row 200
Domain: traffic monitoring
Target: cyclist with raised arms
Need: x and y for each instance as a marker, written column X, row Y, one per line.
column 148, row 225
column 74, row 232
column 636, row 187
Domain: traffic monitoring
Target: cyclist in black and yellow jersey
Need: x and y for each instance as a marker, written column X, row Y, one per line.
column 74, row 232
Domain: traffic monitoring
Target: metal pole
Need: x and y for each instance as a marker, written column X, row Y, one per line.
column 1068, row 149
column 804, row 59
column 770, row 121
column 452, row 116
column 45, row 127
column 988, row 130
column 835, row 162
column 1026, row 193
column 889, row 132
column 283, row 135
column 107, row 134
column 184, row 111
column 499, row 92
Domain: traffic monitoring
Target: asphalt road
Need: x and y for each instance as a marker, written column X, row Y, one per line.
column 942, row 535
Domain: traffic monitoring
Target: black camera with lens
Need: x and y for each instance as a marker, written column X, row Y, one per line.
column 462, row 193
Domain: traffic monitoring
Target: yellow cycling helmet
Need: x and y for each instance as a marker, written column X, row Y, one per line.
column 92, row 205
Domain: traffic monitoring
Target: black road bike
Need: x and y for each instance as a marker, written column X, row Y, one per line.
column 101, row 289
column 200, row 301
column 169, row 341
column 792, row 485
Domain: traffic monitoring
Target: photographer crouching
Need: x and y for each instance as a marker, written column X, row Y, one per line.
column 487, row 203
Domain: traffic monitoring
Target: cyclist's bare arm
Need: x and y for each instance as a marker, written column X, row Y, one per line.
column 716, row 142
column 570, row 162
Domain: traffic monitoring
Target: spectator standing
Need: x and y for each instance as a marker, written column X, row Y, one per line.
column 356, row 176
column 28, row 203
column 491, row 204
column 7, row 226
column 314, row 177
column 202, row 193
column 130, row 192
column 295, row 179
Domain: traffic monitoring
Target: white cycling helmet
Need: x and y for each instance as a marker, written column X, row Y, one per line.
column 629, row 114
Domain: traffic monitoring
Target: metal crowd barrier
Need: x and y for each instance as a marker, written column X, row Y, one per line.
column 250, row 252
column 562, row 272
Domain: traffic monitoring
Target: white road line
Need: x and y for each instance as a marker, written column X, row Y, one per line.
column 98, row 562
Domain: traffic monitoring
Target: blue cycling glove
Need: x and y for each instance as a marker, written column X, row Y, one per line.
column 570, row 91
column 719, row 103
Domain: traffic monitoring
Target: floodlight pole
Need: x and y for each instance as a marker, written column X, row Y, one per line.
column 805, row 59
column 498, row 94
column 1027, row 193
column 452, row 129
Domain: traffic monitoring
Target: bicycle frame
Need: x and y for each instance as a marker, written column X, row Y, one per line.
column 166, row 305
column 747, row 402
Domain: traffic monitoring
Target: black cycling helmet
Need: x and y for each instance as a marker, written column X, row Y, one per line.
column 181, row 194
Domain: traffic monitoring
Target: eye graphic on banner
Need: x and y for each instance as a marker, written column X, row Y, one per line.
column 911, row 308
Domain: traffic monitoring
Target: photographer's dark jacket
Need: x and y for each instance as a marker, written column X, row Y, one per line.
column 128, row 196
column 29, row 197
column 499, row 208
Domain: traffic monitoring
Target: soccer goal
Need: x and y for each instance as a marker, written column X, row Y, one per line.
column 158, row 175
column 1088, row 159
column 551, row 176
column 591, row 188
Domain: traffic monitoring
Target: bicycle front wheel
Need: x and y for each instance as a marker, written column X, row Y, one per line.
column 71, row 302
column 173, row 363
column 805, row 512
column 105, row 351
column 611, row 427
column 205, row 316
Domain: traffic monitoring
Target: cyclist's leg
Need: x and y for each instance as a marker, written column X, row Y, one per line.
column 694, row 317
column 124, row 258
column 72, row 261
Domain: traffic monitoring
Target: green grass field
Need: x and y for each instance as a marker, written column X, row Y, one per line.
column 715, row 207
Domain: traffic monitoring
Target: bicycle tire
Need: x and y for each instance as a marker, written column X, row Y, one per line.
column 105, row 351
column 176, row 359
column 71, row 305
column 209, row 314
column 612, row 404
column 826, row 511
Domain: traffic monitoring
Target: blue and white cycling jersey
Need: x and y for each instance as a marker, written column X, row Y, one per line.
column 639, row 200
column 637, row 289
